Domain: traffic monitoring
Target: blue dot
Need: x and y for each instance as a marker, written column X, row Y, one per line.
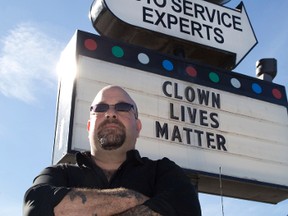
column 256, row 88
column 168, row 65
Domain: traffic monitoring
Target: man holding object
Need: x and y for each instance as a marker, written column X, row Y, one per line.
column 112, row 179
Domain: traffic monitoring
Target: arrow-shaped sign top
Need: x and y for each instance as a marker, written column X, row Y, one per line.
column 241, row 43
column 196, row 21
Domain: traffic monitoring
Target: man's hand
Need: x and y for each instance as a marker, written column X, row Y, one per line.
column 98, row 202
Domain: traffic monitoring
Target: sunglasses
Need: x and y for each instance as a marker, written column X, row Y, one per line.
column 119, row 107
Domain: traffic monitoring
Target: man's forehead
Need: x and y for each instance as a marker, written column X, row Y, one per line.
column 112, row 93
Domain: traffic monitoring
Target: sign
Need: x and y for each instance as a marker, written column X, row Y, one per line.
column 194, row 21
column 202, row 118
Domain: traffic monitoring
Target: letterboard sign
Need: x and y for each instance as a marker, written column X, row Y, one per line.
column 205, row 119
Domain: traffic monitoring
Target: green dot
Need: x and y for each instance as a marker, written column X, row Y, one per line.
column 214, row 77
column 117, row 51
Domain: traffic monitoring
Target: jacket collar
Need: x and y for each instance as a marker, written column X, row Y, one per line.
column 85, row 158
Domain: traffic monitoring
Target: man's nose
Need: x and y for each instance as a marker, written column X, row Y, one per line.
column 111, row 113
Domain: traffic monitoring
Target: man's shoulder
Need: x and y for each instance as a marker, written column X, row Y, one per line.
column 157, row 160
column 164, row 162
column 81, row 160
column 59, row 168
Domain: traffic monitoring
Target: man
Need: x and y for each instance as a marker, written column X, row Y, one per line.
column 112, row 179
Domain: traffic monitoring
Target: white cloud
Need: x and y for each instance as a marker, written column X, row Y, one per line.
column 28, row 60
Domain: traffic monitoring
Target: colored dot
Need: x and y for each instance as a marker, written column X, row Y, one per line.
column 168, row 65
column 277, row 93
column 256, row 88
column 90, row 44
column 143, row 58
column 214, row 77
column 117, row 51
column 235, row 83
column 191, row 71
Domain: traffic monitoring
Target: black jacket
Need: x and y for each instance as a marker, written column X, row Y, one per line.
column 163, row 181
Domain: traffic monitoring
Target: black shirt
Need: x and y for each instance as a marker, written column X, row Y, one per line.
column 169, row 189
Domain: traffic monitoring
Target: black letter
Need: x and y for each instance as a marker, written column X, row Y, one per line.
column 160, row 18
column 176, row 92
column 189, row 94
column 192, row 115
column 210, row 139
column 161, row 131
column 171, row 20
column 221, row 142
column 172, row 116
column 228, row 25
column 216, row 100
column 214, row 119
column 164, row 88
column 196, row 27
column 178, row 8
column 159, row 4
column 186, row 8
column 182, row 113
column 203, row 96
column 207, row 30
column 235, row 23
column 182, row 25
column 199, row 133
column 210, row 16
column 176, row 134
column 145, row 14
column 203, row 117
column 218, row 32
column 188, row 131
column 199, row 9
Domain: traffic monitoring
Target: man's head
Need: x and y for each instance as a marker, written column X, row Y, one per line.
column 113, row 123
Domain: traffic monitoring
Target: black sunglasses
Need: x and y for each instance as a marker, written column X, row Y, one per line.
column 119, row 107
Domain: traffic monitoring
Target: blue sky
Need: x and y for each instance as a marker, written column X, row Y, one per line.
column 33, row 34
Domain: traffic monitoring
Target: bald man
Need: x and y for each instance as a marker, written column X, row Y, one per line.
column 112, row 179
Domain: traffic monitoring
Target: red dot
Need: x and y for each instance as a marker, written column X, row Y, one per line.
column 191, row 71
column 90, row 44
column 277, row 93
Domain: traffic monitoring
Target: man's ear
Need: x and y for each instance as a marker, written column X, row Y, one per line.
column 139, row 126
column 88, row 125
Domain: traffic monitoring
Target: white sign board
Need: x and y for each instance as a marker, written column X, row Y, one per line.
column 197, row 136
column 197, row 21
column 201, row 118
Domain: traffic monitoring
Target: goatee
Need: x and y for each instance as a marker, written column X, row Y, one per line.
column 111, row 138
